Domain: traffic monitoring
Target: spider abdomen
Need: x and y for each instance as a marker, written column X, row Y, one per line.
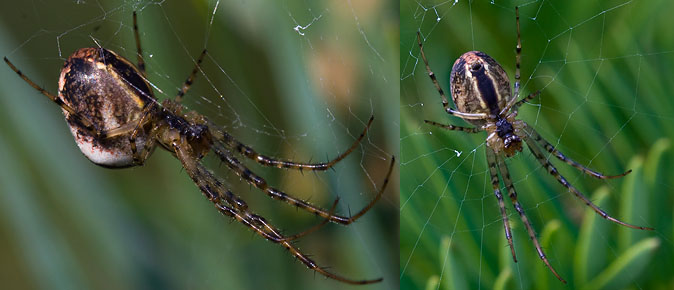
column 110, row 92
column 479, row 85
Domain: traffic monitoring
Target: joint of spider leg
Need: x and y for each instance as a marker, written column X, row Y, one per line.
column 280, row 195
column 208, row 192
column 554, row 171
column 259, row 182
column 237, row 202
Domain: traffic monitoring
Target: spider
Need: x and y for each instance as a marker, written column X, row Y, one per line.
column 481, row 92
column 117, row 122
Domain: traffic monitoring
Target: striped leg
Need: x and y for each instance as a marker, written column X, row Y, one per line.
column 231, row 205
column 454, row 127
column 139, row 157
column 316, row 227
column 548, row 147
column 518, row 48
column 514, row 104
column 141, row 63
column 234, row 145
column 524, row 100
column 493, row 170
column 188, row 82
column 513, row 197
column 553, row 171
column 73, row 116
column 259, row 182
column 139, row 50
column 518, row 57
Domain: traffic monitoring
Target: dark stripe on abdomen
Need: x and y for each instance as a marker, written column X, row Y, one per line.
column 487, row 90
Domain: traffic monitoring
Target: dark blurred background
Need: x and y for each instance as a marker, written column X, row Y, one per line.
column 294, row 79
column 604, row 69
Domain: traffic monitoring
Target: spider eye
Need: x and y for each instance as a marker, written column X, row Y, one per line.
column 476, row 66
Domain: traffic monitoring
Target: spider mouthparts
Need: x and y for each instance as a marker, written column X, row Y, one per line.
column 512, row 145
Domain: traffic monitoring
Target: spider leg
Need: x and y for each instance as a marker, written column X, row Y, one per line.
column 525, row 99
column 139, row 50
column 243, row 172
column 553, row 171
column 305, row 260
column 264, row 229
column 141, row 63
column 454, row 127
column 231, row 205
column 314, row 228
column 518, row 56
column 234, row 206
column 493, row 171
column 513, row 197
column 240, row 205
column 188, row 82
column 140, row 157
column 548, row 147
column 135, row 127
column 513, row 103
column 230, row 142
column 73, row 116
column 445, row 103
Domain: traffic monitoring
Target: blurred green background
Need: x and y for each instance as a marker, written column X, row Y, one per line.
column 294, row 79
column 605, row 71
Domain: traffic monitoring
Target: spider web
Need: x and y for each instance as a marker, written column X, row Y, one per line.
column 604, row 102
column 294, row 79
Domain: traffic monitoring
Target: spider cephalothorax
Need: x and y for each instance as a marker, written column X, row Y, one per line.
column 503, row 135
column 481, row 92
column 117, row 122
